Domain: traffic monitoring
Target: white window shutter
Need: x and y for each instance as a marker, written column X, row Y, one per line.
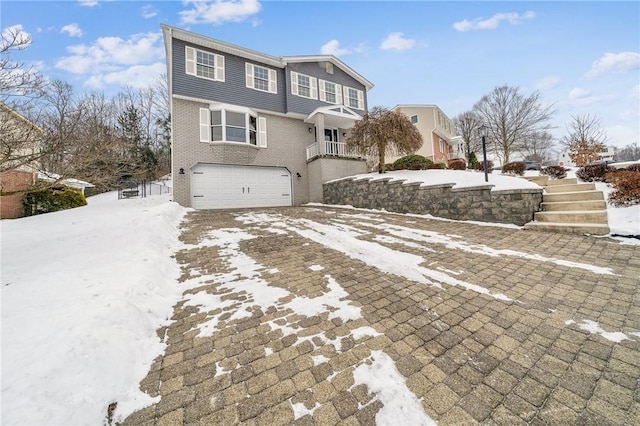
column 345, row 97
column 360, row 99
column 273, row 81
column 190, row 60
column 262, row 132
column 323, row 91
column 294, row 83
column 314, row 87
column 338, row 94
column 219, row 67
column 249, row 71
column 205, row 125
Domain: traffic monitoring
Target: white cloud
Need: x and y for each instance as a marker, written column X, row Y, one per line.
column 148, row 11
column 548, row 82
column 396, row 41
column 136, row 76
column 332, row 47
column 14, row 35
column 493, row 22
column 578, row 93
column 614, row 63
column 88, row 3
column 112, row 52
column 72, row 29
column 218, row 11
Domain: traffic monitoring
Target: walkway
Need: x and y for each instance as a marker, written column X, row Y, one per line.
column 335, row 316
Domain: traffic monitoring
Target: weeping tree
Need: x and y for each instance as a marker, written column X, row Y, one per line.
column 381, row 132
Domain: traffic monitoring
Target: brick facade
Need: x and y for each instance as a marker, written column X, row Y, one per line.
column 13, row 184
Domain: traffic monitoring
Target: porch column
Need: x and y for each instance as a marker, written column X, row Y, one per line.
column 322, row 146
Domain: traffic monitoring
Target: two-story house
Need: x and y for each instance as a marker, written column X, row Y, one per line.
column 254, row 130
column 440, row 143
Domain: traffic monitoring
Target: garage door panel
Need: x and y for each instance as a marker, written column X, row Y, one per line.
column 218, row 186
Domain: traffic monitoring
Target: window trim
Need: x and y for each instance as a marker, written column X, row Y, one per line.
column 323, row 92
column 206, row 126
column 295, row 85
column 414, row 116
column 249, row 69
column 359, row 99
column 191, row 64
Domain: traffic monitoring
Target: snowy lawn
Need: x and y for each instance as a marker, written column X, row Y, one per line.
column 83, row 293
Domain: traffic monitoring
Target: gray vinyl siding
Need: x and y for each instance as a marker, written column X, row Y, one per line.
column 302, row 105
column 233, row 90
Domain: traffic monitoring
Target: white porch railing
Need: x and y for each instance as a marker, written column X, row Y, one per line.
column 337, row 149
column 454, row 155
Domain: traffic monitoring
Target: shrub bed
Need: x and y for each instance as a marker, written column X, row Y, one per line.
column 626, row 186
column 595, row 172
column 515, row 168
column 634, row 168
column 45, row 199
column 480, row 166
column 412, row 162
column 457, row 164
column 554, row 172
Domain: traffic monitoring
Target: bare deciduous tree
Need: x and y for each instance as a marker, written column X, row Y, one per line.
column 511, row 117
column 17, row 82
column 539, row 146
column 585, row 139
column 630, row 152
column 467, row 124
column 381, row 132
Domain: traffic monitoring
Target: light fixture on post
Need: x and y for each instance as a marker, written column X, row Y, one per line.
column 483, row 133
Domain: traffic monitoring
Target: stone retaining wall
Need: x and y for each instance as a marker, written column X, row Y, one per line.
column 480, row 203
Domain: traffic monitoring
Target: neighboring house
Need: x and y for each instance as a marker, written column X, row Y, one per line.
column 78, row 184
column 254, row 130
column 20, row 140
column 439, row 141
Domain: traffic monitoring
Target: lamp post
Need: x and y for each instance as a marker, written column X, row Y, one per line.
column 483, row 133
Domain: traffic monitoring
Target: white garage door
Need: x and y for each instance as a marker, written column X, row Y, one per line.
column 220, row 186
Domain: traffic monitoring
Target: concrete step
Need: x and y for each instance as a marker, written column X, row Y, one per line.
column 573, row 205
column 570, row 187
column 540, row 180
column 564, row 181
column 569, row 228
column 577, row 216
column 573, row 196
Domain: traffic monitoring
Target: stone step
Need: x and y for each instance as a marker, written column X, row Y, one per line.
column 577, row 216
column 573, row 205
column 569, row 228
column 573, row 196
column 564, row 181
column 571, row 187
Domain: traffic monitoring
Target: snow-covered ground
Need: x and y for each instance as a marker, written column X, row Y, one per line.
column 83, row 293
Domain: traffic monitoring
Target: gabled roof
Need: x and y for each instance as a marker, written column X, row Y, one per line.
column 275, row 61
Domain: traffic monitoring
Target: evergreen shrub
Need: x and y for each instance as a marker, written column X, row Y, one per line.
column 412, row 162
column 42, row 198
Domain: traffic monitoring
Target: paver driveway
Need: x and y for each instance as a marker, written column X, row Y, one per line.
column 318, row 315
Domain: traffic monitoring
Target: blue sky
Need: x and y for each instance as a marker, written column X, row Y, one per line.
column 583, row 57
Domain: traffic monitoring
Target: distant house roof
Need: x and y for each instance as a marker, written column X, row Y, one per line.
column 253, row 55
column 70, row 182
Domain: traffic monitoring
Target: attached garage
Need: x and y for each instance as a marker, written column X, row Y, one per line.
column 224, row 186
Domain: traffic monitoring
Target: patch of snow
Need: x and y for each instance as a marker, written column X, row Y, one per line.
column 316, row 267
column 400, row 405
column 364, row 331
column 594, row 327
column 319, row 359
column 332, row 301
column 83, row 293
column 300, row 410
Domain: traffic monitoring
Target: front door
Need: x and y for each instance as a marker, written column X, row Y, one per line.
column 331, row 139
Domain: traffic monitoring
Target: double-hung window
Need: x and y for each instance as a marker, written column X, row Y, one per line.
column 226, row 125
column 204, row 64
column 353, row 98
column 304, row 86
column 261, row 78
column 330, row 92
